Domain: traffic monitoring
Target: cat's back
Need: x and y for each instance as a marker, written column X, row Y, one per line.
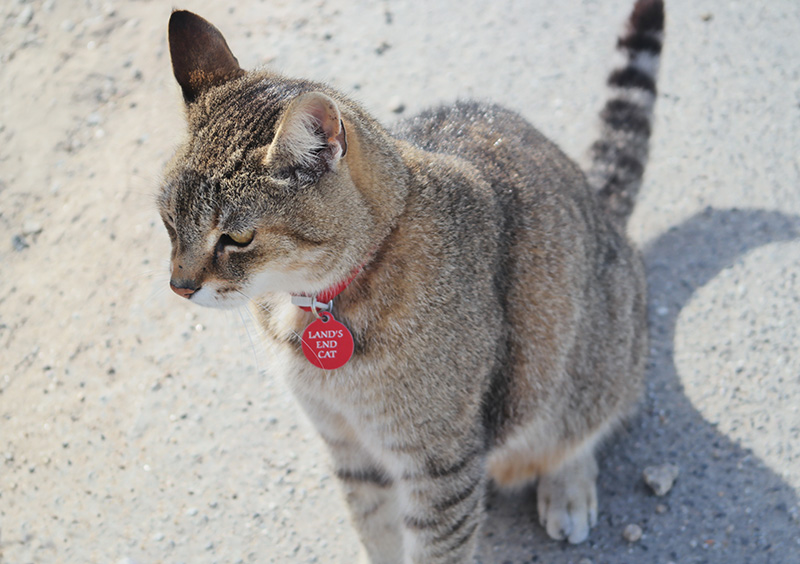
column 548, row 221
column 511, row 154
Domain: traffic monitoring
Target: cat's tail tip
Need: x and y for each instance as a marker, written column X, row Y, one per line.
column 648, row 15
column 619, row 156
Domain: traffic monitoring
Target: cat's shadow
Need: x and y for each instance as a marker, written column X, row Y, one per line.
column 727, row 505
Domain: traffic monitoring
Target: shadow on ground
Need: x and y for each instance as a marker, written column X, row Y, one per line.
column 727, row 505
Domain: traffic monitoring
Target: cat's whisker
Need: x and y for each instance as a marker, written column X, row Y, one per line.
column 258, row 330
column 158, row 292
column 153, row 274
column 258, row 304
column 252, row 343
column 302, row 340
column 264, row 308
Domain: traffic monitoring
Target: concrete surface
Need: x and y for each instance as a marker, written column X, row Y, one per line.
column 138, row 428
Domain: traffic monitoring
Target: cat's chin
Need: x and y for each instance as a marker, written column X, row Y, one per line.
column 209, row 297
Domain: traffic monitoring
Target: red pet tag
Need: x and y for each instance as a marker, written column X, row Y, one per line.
column 327, row 343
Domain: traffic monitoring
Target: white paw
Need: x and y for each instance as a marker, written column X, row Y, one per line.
column 567, row 501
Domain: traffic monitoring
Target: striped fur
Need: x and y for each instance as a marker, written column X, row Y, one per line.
column 620, row 155
column 499, row 311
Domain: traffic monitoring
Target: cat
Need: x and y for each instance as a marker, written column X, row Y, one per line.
column 496, row 308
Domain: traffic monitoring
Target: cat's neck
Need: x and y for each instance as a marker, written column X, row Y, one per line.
column 377, row 170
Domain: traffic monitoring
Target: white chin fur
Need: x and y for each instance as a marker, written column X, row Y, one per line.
column 207, row 296
column 295, row 282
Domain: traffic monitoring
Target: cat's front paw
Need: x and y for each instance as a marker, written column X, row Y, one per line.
column 567, row 500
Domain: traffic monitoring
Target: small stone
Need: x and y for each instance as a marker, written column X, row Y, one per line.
column 191, row 512
column 158, row 537
column 632, row 532
column 67, row 25
column 396, row 105
column 661, row 508
column 25, row 16
column 19, row 243
column 585, row 561
column 661, row 478
column 31, row 227
column 707, row 17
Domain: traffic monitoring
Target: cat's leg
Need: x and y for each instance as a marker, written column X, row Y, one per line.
column 372, row 500
column 369, row 491
column 567, row 498
column 443, row 507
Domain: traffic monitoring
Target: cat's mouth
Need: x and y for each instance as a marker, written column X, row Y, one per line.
column 211, row 295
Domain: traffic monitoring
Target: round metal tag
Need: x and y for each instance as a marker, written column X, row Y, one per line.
column 327, row 343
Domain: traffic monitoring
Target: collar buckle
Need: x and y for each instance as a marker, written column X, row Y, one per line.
column 310, row 303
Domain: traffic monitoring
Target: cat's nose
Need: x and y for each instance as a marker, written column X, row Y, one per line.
column 183, row 289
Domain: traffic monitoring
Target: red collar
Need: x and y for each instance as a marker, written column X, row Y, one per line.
column 325, row 297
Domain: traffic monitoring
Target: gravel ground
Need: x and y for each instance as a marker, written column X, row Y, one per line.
column 135, row 427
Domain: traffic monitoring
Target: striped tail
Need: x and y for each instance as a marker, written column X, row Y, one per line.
column 620, row 155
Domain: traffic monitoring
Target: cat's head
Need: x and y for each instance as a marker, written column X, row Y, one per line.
column 260, row 197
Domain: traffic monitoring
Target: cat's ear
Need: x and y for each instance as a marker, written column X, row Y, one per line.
column 311, row 129
column 200, row 56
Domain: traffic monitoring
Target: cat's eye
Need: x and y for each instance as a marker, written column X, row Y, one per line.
column 242, row 238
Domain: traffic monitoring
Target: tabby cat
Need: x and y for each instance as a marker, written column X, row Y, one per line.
column 496, row 308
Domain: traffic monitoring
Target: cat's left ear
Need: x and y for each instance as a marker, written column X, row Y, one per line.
column 200, row 56
column 311, row 129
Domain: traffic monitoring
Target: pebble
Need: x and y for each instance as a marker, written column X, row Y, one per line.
column 585, row 561
column 67, row 25
column 661, row 508
column 25, row 16
column 396, row 105
column 632, row 532
column 19, row 243
column 661, row 478
column 31, row 227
